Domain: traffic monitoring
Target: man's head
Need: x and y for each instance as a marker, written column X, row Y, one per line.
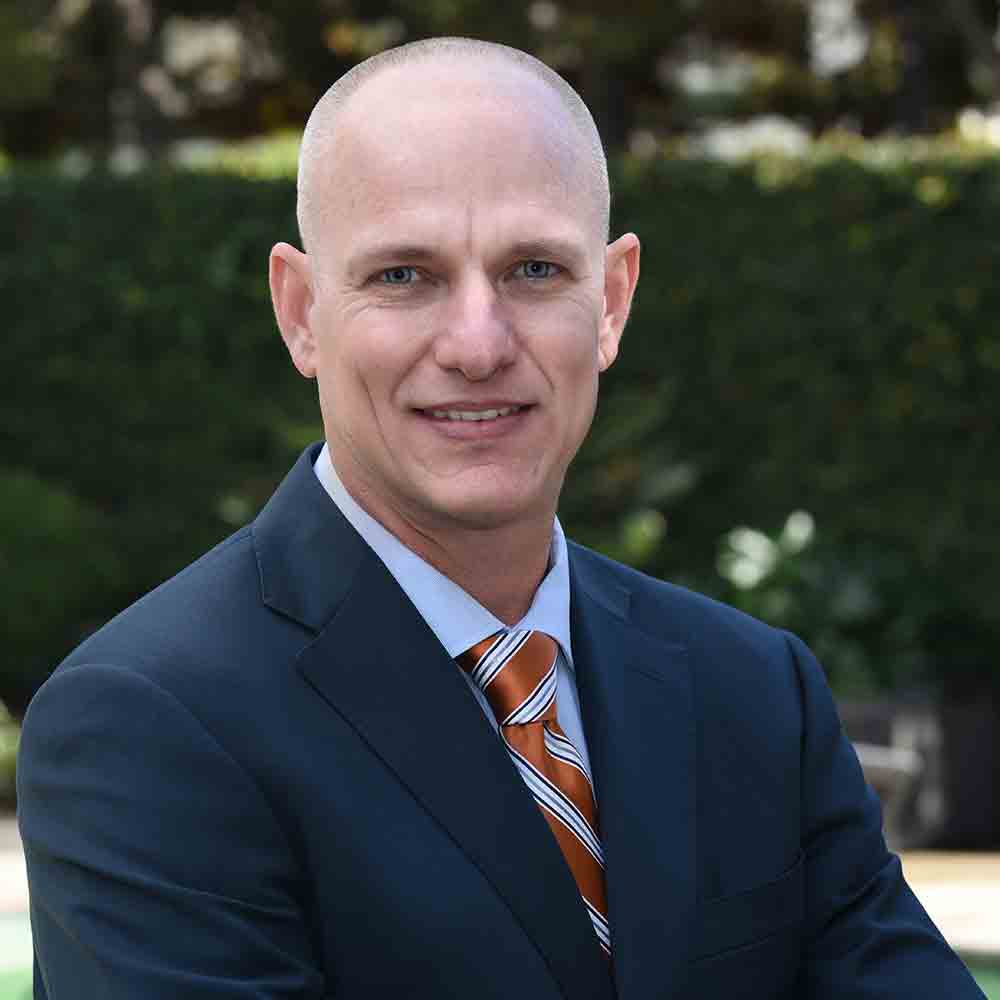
column 319, row 135
column 456, row 301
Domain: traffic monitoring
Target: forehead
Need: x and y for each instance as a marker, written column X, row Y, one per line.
column 447, row 139
column 451, row 84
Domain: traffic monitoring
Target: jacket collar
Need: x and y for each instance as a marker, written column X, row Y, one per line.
column 307, row 553
column 637, row 701
column 375, row 661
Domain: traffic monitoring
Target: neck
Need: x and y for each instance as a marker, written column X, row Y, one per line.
column 517, row 558
column 500, row 565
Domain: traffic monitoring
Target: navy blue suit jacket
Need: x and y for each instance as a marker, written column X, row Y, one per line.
column 267, row 779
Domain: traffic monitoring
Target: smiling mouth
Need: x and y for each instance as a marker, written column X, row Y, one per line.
column 473, row 415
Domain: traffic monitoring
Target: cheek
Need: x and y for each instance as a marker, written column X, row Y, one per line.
column 563, row 330
column 580, row 375
column 572, row 350
column 586, row 405
column 370, row 358
column 573, row 376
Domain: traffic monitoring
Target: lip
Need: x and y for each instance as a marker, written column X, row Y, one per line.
column 476, row 430
column 469, row 404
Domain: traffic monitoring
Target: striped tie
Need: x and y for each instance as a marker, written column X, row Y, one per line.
column 517, row 673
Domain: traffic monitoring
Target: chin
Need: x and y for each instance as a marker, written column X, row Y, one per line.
column 484, row 510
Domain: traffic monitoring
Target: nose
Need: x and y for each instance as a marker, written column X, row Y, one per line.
column 476, row 337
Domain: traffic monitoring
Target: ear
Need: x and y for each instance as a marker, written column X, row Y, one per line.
column 621, row 272
column 290, row 275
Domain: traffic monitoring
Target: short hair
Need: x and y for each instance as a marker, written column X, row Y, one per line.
column 322, row 121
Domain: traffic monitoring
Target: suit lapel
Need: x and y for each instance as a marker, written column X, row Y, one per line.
column 376, row 662
column 636, row 699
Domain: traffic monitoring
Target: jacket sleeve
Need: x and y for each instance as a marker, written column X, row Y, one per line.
column 867, row 936
column 156, row 866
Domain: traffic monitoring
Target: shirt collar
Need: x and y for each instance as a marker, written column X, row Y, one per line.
column 456, row 618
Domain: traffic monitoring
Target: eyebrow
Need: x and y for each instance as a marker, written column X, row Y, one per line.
column 544, row 248
column 387, row 253
column 396, row 251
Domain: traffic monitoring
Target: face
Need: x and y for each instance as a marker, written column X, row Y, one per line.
column 460, row 303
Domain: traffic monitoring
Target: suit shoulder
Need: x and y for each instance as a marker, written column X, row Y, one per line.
column 652, row 598
column 717, row 635
column 213, row 577
column 204, row 620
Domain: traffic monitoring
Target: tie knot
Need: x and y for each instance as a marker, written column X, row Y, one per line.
column 516, row 670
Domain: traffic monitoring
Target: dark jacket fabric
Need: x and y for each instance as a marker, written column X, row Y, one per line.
column 266, row 779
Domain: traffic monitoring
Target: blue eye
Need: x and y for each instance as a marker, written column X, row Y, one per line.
column 398, row 275
column 536, row 269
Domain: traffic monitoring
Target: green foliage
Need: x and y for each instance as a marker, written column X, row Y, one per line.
column 10, row 734
column 28, row 55
column 812, row 335
column 989, row 980
column 265, row 157
column 149, row 405
column 57, row 560
column 88, row 76
column 818, row 335
column 15, row 984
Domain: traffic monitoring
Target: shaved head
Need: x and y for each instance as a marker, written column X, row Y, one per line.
column 492, row 66
column 458, row 298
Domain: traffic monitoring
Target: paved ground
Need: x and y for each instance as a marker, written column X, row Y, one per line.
column 15, row 935
column 961, row 892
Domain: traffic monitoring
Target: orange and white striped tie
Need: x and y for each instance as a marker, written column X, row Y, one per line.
column 516, row 671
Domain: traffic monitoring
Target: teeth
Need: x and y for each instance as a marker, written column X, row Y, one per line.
column 474, row 414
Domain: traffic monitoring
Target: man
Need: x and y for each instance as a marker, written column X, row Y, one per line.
column 311, row 765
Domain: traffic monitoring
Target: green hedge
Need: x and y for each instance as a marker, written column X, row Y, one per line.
column 148, row 402
column 821, row 336
column 808, row 336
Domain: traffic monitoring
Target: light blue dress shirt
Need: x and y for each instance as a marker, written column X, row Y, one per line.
column 458, row 619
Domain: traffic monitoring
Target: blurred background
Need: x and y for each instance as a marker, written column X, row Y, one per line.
column 804, row 417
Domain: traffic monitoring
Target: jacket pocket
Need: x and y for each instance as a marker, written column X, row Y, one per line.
column 752, row 916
